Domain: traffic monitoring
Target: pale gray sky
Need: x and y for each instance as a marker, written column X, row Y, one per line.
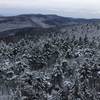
column 68, row 8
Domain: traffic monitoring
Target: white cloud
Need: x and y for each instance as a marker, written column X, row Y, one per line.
column 74, row 8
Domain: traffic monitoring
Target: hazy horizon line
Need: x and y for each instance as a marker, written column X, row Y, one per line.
column 20, row 14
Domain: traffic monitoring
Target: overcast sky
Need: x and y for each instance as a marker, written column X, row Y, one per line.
column 68, row 8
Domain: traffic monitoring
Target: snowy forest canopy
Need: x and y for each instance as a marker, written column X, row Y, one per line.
column 51, row 68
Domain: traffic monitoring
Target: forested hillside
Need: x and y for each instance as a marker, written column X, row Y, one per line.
column 29, row 23
column 51, row 68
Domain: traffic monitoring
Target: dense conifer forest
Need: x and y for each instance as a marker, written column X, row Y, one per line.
column 50, row 68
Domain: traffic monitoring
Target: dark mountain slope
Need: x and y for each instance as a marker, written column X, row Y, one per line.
column 36, row 25
column 39, row 21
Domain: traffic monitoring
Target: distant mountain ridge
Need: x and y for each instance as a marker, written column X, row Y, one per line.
column 12, row 24
column 39, row 20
